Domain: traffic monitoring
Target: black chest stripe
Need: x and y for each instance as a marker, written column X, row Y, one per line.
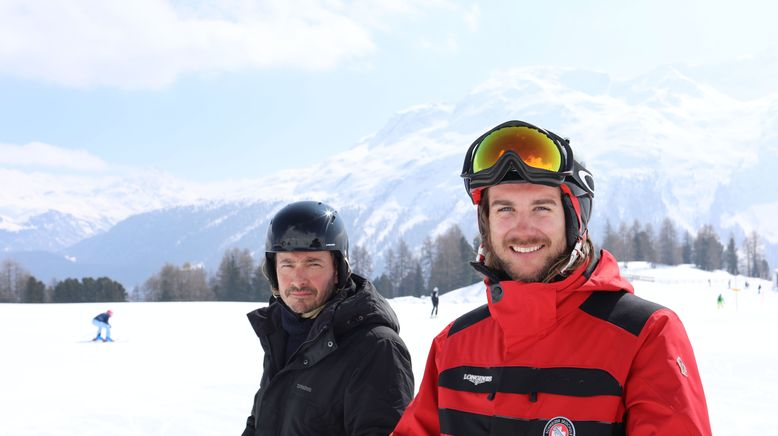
column 622, row 309
column 454, row 422
column 576, row 382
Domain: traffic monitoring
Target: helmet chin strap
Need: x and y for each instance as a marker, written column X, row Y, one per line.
column 575, row 254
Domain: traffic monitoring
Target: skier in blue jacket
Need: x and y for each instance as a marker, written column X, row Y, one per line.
column 101, row 322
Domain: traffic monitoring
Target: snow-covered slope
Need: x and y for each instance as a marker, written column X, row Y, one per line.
column 170, row 373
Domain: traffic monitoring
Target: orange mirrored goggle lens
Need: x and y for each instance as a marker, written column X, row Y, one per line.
column 534, row 148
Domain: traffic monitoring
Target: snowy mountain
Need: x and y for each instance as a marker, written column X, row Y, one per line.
column 49, row 231
column 660, row 145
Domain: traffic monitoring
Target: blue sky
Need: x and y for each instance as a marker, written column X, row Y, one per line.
column 210, row 91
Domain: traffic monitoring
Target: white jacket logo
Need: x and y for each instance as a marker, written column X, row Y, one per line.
column 478, row 379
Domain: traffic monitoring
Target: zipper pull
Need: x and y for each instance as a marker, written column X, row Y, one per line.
column 533, row 397
column 491, row 395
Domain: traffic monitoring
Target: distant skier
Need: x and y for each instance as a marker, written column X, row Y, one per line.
column 434, row 298
column 720, row 301
column 101, row 322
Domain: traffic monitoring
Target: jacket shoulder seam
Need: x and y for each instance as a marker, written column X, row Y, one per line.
column 622, row 309
column 469, row 319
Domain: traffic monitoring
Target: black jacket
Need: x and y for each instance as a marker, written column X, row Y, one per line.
column 352, row 376
column 103, row 317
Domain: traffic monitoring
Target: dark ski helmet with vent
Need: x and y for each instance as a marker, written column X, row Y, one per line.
column 307, row 226
column 516, row 152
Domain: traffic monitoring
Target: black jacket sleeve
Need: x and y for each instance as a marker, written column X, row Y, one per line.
column 380, row 388
column 250, row 424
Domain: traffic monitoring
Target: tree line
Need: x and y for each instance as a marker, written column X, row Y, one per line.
column 238, row 278
column 17, row 285
column 672, row 247
column 442, row 262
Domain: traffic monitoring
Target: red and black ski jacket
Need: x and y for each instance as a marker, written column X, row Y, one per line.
column 582, row 356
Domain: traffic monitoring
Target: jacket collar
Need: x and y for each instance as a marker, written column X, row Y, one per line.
column 357, row 304
column 525, row 310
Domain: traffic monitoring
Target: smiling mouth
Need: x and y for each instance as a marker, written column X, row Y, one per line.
column 523, row 250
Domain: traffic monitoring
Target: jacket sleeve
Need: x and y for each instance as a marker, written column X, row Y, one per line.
column 249, row 430
column 421, row 416
column 250, row 423
column 379, row 389
column 663, row 392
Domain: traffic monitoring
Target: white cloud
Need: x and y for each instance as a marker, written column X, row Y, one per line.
column 446, row 45
column 37, row 154
column 149, row 43
column 472, row 17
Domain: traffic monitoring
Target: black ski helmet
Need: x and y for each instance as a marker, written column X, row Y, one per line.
column 307, row 226
column 508, row 166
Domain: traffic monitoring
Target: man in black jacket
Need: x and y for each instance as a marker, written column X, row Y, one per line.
column 334, row 363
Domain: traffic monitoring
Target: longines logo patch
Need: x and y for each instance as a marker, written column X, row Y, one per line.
column 478, row 379
column 559, row 426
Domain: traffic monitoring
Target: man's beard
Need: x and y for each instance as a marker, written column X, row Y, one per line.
column 537, row 276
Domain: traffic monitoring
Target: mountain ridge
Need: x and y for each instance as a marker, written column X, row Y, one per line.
column 659, row 145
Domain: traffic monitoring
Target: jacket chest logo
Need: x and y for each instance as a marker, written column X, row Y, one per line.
column 477, row 379
column 559, row 426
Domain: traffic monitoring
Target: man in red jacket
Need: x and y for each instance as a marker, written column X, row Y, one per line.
column 563, row 346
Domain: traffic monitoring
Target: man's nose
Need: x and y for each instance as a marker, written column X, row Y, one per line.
column 299, row 277
column 521, row 223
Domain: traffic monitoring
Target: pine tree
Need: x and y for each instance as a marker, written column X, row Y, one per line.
column 233, row 279
column 413, row 282
column 260, row 284
column 67, row 291
column 451, row 264
column 13, row 277
column 707, row 249
column 612, row 241
column 34, row 291
column 754, row 255
column 361, row 261
column 404, row 264
column 627, row 243
column 427, row 258
column 382, row 283
column 730, row 257
column 687, row 249
column 645, row 244
column 391, row 273
column 668, row 250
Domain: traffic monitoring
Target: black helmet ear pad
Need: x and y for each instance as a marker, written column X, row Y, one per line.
column 269, row 270
column 571, row 222
column 343, row 268
column 572, row 230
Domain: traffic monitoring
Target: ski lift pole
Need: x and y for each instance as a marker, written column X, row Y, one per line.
column 737, row 291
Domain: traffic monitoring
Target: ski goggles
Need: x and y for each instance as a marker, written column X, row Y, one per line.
column 534, row 155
